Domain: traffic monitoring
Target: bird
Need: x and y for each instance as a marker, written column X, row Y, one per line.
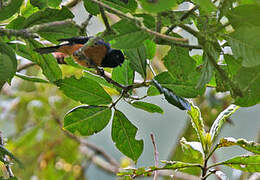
column 100, row 53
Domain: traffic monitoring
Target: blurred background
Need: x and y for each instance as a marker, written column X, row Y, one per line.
column 30, row 114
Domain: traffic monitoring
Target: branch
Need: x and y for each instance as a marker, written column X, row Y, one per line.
column 31, row 31
column 139, row 23
column 84, row 25
column 5, row 158
column 18, row 33
column 156, row 157
column 105, row 20
column 224, row 76
column 182, row 18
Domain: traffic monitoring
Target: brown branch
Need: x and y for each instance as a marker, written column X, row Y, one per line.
column 6, row 159
column 84, row 25
column 138, row 23
column 156, row 157
column 182, row 18
column 18, row 33
column 105, row 20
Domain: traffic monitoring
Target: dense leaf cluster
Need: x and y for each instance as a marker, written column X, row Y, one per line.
column 143, row 27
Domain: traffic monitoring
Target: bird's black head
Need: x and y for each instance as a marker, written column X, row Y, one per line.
column 113, row 58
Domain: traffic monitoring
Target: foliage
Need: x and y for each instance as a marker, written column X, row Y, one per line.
column 143, row 28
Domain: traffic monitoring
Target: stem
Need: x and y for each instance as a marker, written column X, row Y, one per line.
column 105, row 20
column 5, row 158
column 223, row 75
column 182, row 18
column 85, row 24
column 190, row 30
column 156, row 156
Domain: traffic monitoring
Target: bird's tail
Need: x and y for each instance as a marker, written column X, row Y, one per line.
column 46, row 50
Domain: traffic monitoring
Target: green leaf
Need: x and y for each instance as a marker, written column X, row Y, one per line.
column 152, row 108
column 248, row 145
column 28, row 10
column 137, row 58
column 150, row 49
column 197, row 123
column 128, row 35
column 244, row 163
column 207, row 73
column 179, row 63
column 153, row 91
column 10, row 9
column 157, row 6
column 206, row 5
column 98, row 79
column 48, row 15
column 130, row 6
column 193, row 150
column 177, row 101
column 245, row 44
column 39, row 3
column 31, row 78
column 221, row 119
column 87, row 120
column 123, row 74
column 8, row 63
column 22, row 50
column 85, row 90
column 54, row 3
column 53, row 33
column 123, row 134
column 148, row 20
column 247, row 79
column 47, row 62
column 17, row 23
column 224, row 7
column 244, row 15
column 181, row 87
column 91, row 7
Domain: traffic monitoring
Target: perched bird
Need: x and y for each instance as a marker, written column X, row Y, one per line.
column 99, row 53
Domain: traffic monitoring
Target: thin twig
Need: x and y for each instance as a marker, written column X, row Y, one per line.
column 156, row 156
column 84, row 25
column 224, row 76
column 6, row 159
column 139, row 23
column 182, row 18
column 190, row 30
column 105, row 20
